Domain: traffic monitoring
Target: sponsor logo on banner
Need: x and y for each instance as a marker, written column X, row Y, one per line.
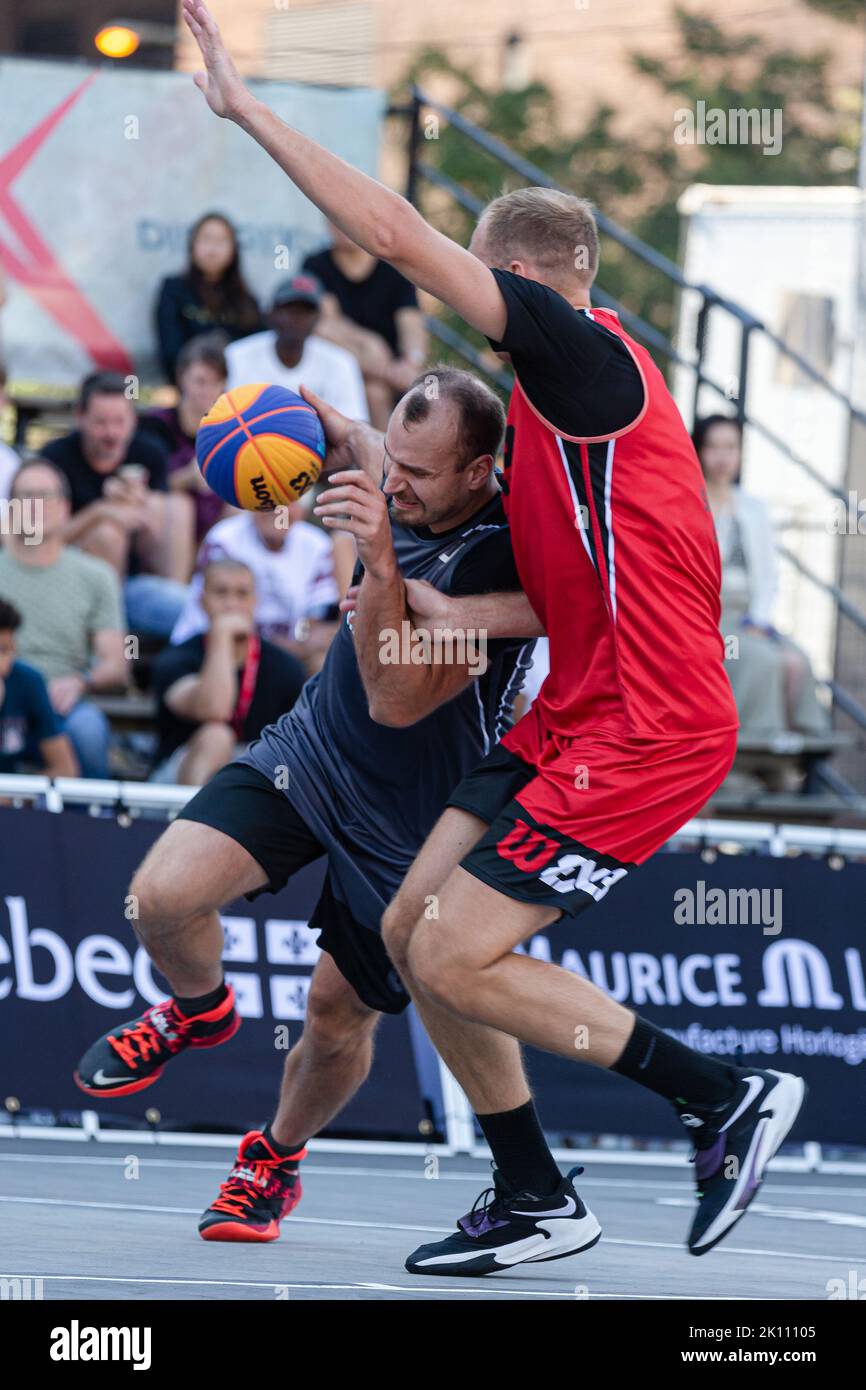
column 795, row 975
column 38, row 965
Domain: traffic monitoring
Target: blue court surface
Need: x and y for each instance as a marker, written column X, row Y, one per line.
column 118, row 1221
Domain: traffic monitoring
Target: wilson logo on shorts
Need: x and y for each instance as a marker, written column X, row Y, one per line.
column 527, row 849
column 531, row 851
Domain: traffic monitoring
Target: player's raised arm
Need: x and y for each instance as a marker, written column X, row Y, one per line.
column 374, row 216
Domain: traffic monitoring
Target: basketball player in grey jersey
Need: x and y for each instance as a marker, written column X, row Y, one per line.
column 358, row 770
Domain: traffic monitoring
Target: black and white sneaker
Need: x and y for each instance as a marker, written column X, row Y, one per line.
column 733, row 1145
column 506, row 1228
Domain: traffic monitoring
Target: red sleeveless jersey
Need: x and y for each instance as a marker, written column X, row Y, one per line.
column 616, row 550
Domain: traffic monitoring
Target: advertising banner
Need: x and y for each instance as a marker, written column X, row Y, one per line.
column 102, row 172
column 748, row 958
column 71, row 969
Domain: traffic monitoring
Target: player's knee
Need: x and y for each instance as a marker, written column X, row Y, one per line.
column 154, row 903
column 433, row 969
column 336, row 1021
column 397, row 928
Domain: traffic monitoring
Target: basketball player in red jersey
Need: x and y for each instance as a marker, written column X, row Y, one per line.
column 632, row 732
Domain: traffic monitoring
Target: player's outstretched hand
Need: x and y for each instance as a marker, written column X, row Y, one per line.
column 222, row 85
column 351, row 443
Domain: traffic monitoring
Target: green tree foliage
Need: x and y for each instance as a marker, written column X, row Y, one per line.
column 637, row 180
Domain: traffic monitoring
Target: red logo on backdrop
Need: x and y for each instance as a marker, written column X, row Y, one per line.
column 33, row 264
column 526, row 848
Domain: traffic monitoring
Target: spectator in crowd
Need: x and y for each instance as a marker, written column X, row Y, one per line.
column 9, row 460
column 290, row 351
column 30, row 733
column 211, row 293
column 372, row 310
column 70, row 603
column 218, row 690
column 292, row 563
column 201, row 379
column 122, row 510
column 770, row 675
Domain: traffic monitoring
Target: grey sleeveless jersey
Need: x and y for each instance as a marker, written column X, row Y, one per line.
column 371, row 793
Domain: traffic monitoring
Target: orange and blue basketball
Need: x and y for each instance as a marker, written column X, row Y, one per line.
column 260, row 447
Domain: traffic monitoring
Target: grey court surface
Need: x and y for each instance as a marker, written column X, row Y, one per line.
column 74, row 1215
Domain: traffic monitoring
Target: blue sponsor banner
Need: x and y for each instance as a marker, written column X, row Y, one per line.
column 753, row 952
column 749, row 951
column 71, row 969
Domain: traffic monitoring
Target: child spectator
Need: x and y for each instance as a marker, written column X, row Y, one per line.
column 293, row 566
column 201, row 380
column 211, row 293
column 290, row 352
column 72, row 614
column 122, row 510
column 30, row 735
column 372, row 310
column 218, row 690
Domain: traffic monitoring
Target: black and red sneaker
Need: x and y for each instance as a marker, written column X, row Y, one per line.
column 260, row 1190
column 132, row 1056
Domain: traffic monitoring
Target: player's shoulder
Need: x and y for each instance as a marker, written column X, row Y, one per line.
column 490, row 520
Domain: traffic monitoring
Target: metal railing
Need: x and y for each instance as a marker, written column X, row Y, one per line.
column 143, row 798
column 420, row 171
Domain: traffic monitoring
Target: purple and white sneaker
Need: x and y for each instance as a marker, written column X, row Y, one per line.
column 733, row 1145
column 506, row 1228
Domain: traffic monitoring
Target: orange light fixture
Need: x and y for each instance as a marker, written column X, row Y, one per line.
column 117, row 41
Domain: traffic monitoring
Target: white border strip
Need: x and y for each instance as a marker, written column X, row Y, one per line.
column 777, row 838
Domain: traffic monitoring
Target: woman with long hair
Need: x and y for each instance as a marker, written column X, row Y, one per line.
column 210, row 294
column 770, row 675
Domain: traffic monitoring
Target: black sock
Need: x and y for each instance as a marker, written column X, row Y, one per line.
column 655, row 1060
column 204, row 1003
column 520, row 1150
column 281, row 1150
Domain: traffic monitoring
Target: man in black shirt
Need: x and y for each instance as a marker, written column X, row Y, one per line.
column 372, row 310
column 218, row 690
column 122, row 509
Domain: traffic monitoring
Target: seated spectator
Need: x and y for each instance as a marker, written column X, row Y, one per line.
column 293, row 566
column 30, row 735
column 290, row 352
column 9, row 460
column 770, row 675
column 211, row 293
column 122, row 510
column 201, row 380
column 372, row 310
column 70, row 604
column 218, row 690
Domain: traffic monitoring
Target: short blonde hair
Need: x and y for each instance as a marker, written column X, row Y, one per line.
column 556, row 231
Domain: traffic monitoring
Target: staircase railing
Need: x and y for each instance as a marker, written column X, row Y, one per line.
column 421, row 171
